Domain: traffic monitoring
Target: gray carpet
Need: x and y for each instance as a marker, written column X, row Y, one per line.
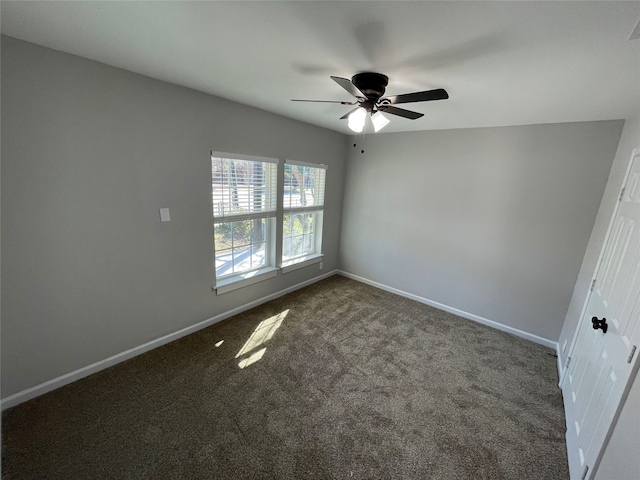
column 353, row 382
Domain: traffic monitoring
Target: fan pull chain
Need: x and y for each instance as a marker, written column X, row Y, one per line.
column 355, row 140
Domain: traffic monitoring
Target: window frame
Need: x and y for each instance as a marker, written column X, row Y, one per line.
column 304, row 260
column 274, row 217
column 235, row 280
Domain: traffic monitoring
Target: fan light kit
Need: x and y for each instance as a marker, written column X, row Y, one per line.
column 368, row 89
column 379, row 121
column 357, row 118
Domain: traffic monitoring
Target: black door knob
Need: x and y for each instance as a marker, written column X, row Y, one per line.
column 600, row 324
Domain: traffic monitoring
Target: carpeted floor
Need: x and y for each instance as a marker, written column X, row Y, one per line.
column 336, row 380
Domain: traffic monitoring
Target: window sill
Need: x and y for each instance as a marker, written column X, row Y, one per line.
column 238, row 281
column 301, row 262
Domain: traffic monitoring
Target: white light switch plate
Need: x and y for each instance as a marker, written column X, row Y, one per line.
column 164, row 215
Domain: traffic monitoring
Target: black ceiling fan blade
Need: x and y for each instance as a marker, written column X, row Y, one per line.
column 349, row 113
column 401, row 112
column 349, row 87
column 324, row 101
column 427, row 95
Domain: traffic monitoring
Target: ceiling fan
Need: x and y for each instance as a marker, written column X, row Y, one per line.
column 368, row 89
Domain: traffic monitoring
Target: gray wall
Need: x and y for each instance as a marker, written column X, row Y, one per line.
column 490, row 221
column 90, row 153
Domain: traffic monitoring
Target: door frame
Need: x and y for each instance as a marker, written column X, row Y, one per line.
column 582, row 325
column 594, row 274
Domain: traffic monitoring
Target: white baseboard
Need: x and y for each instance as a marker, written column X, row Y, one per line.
column 470, row 316
column 70, row 377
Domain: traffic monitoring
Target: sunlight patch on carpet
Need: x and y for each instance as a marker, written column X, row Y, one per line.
column 253, row 358
column 262, row 334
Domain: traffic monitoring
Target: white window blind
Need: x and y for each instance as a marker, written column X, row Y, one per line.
column 303, row 185
column 243, row 187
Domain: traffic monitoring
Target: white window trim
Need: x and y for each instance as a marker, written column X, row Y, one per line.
column 317, row 236
column 306, row 164
column 240, row 156
column 234, row 282
column 315, row 257
column 301, row 262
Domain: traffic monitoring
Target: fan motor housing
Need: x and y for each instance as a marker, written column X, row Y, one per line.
column 371, row 84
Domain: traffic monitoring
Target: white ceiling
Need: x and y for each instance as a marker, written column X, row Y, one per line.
column 503, row 63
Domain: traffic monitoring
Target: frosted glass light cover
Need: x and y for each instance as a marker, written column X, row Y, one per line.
column 379, row 121
column 357, row 119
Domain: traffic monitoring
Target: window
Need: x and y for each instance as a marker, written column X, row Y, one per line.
column 303, row 207
column 244, row 210
column 248, row 209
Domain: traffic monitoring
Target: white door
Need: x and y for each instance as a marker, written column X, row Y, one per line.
column 601, row 363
